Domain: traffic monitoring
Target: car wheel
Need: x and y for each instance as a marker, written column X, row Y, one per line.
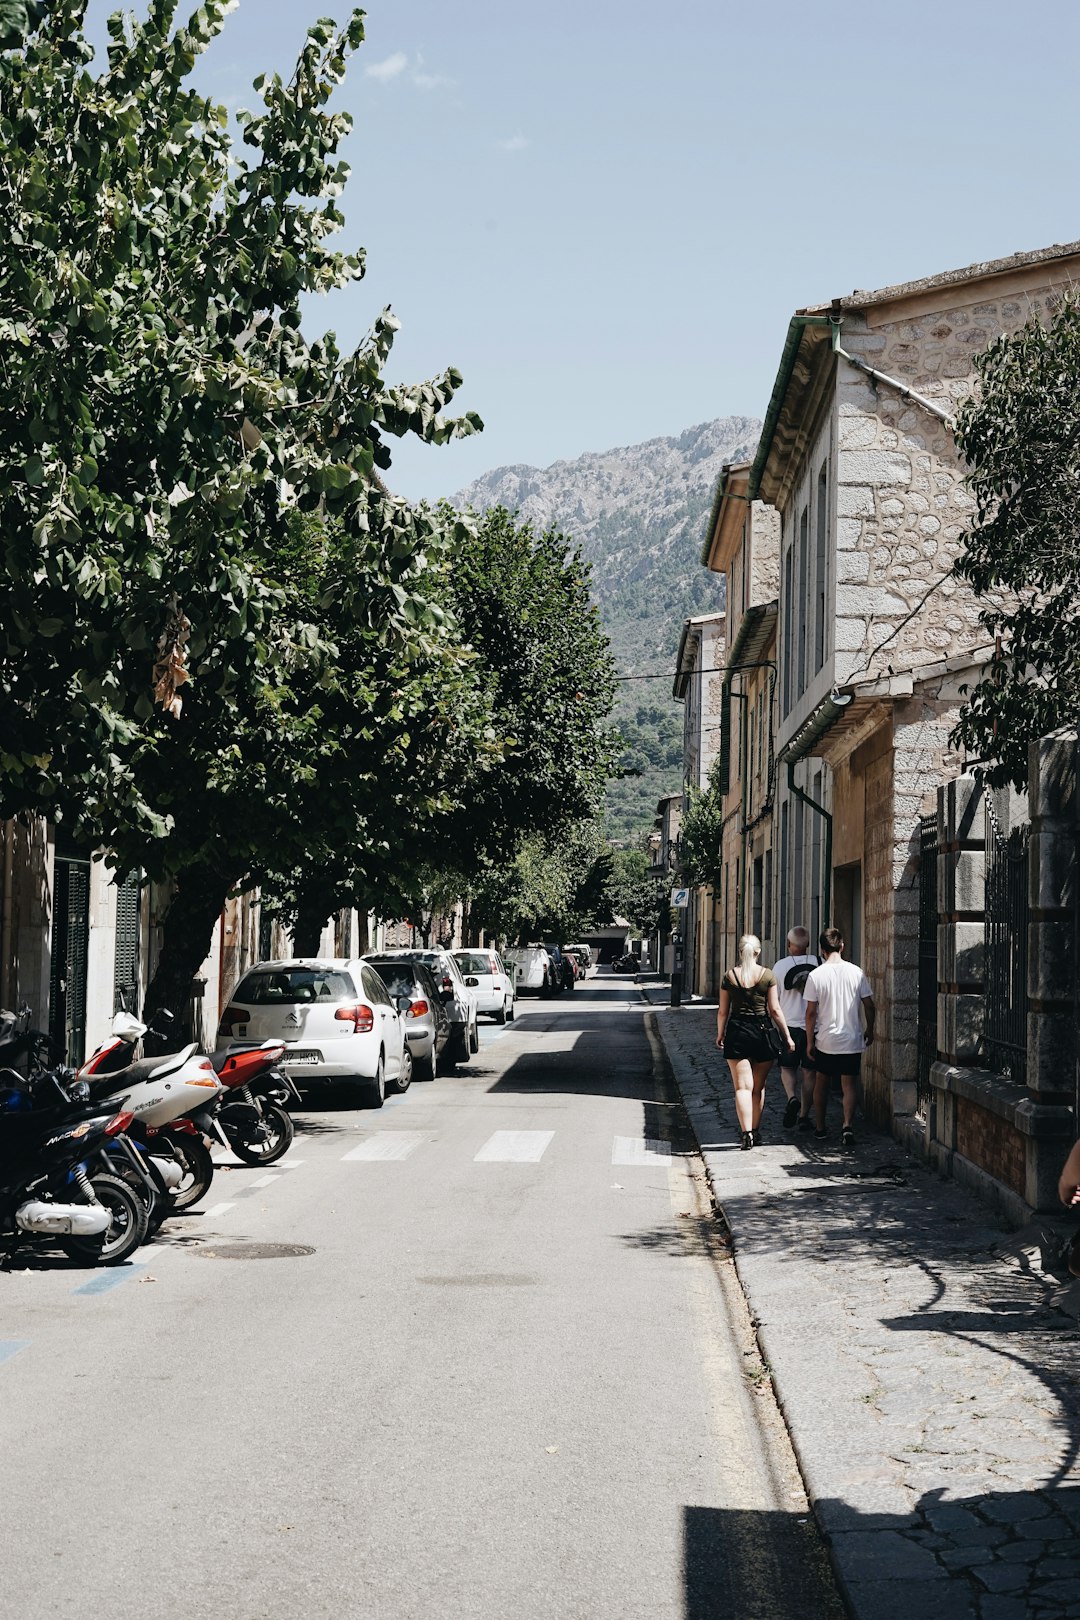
column 405, row 1074
column 474, row 1037
column 500, row 1016
column 511, row 1010
column 424, row 1068
column 376, row 1089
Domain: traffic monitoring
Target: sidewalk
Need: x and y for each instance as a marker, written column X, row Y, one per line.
column 929, row 1377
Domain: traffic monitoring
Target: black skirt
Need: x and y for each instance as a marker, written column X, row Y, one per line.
column 748, row 1038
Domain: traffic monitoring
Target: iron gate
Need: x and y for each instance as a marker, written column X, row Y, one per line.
column 126, row 954
column 70, row 956
column 928, row 957
column 1005, row 984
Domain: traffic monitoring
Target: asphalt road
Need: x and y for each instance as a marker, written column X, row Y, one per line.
column 511, row 1380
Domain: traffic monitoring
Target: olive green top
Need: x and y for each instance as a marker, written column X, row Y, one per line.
column 752, row 1003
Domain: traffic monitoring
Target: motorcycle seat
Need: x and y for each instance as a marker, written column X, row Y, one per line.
column 219, row 1059
column 148, row 1068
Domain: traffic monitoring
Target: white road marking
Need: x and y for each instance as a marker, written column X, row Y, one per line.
column 264, row 1181
column 290, row 1164
column 518, row 1147
column 216, row 1210
column 639, row 1150
column 388, row 1145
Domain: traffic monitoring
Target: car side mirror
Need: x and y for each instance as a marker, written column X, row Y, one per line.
column 404, row 1003
column 472, row 983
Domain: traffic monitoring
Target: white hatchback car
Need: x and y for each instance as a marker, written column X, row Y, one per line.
column 485, row 972
column 335, row 1017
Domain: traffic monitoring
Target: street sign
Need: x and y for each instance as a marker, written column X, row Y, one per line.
column 680, row 897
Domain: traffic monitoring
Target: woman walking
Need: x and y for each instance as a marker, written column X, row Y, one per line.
column 749, row 1007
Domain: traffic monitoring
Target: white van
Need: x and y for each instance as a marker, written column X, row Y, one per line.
column 535, row 969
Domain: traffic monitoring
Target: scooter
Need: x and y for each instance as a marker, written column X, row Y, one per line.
column 159, row 1091
column 51, row 1182
column 250, row 1115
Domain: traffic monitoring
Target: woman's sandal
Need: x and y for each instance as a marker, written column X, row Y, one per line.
column 747, row 1140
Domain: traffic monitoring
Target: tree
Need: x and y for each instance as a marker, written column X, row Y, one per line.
column 1020, row 435
column 635, row 895
column 555, row 887
column 701, row 835
column 162, row 414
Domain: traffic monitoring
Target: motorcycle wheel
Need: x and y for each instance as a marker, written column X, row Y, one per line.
column 261, row 1141
column 126, row 1229
column 193, row 1156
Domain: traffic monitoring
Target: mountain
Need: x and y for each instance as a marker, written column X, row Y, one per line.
column 639, row 516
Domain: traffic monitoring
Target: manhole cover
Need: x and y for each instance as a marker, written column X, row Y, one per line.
column 253, row 1251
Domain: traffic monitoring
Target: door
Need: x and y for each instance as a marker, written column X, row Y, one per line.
column 847, row 907
column 70, row 954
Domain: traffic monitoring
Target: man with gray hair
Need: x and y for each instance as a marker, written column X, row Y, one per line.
column 792, row 972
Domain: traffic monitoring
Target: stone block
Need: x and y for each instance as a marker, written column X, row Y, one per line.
column 852, row 566
column 888, row 467
column 1051, row 1045
column 854, row 501
column 961, row 953
column 1052, row 868
column 1052, row 775
column 962, row 881
column 1050, row 960
column 960, row 1027
column 849, row 635
column 960, row 812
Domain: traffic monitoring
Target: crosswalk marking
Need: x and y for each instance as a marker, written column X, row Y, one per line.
column 264, row 1181
column 389, row 1145
column 639, row 1150
column 519, row 1147
column 216, row 1210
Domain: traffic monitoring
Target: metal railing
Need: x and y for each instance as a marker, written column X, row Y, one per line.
column 1005, row 981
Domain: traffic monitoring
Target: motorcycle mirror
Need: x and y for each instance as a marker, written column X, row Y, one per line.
column 79, row 1091
column 162, row 1020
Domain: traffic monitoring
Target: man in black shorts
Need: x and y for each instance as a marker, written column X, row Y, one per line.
column 792, row 972
column 840, row 1018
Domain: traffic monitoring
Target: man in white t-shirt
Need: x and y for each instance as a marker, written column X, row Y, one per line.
column 840, row 1016
column 792, row 972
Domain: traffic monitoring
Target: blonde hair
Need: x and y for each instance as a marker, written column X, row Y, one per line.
column 749, row 951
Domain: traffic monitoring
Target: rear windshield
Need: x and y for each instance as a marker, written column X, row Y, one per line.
column 400, row 978
column 473, row 961
column 284, row 986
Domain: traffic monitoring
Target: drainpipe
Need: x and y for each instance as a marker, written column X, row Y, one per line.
column 6, row 997
column 891, row 382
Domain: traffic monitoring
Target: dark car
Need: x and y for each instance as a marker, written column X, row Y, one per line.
column 427, row 1022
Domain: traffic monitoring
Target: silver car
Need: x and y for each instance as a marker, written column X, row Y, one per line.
column 457, row 997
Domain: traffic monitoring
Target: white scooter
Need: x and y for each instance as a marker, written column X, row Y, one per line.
column 159, row 1091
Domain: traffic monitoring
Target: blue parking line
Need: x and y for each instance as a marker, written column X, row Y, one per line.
column 105, row 1280
column 11, row 1347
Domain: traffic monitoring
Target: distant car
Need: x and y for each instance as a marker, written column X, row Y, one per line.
column 494, row 985
column 335, row 1017
column 626, row 964
column 566, row 968
column 583, row 953
column 413, row 989
column 535, row 969
column 457, row 997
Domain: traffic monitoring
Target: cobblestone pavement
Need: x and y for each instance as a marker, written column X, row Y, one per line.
column 928, row 1372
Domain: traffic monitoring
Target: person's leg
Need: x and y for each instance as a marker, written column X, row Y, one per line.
column 850, row 1085
column 806, row 1075
column 742, row 1076
column 821, row 1097
column 761, row 1074
column 788, row 1077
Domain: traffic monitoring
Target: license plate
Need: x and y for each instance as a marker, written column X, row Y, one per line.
column 303, row 1057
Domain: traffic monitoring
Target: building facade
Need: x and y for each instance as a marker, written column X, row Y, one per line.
column 699, row 673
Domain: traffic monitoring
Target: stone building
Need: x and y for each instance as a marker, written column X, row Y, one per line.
column 876, row 637
column 697, row 685
column 743, row 544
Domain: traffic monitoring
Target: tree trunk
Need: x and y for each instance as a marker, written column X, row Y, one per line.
column 311, row 920
column 187, row 933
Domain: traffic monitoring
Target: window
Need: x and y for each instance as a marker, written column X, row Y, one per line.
column 289, row 986
column 815, row 924
column 804, row 594
column 789, row 628
column 374, row 988
column 768, row 900
column 758, row 893
column 821, row 515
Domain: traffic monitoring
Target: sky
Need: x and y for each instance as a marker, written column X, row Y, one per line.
column 604, row 213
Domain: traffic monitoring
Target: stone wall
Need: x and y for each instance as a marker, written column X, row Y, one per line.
column 902, row 505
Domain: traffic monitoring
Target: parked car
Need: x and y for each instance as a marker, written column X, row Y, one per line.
column 457, row 997
column 335, row 1018
column 535, row 969
column 413, row 990
column 584, row 955
column 486, row 973
column 566, row 968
